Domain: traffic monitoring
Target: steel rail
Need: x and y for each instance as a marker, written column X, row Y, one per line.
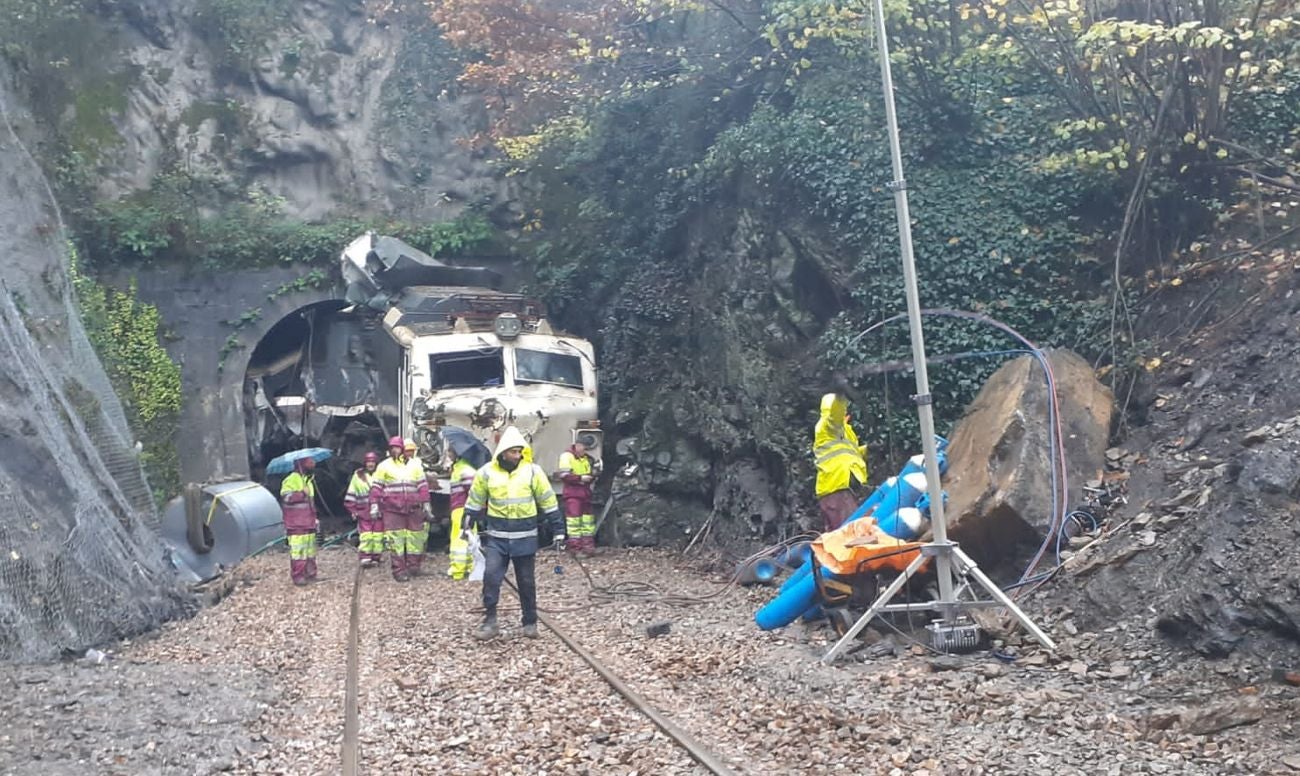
column 351, row 720
column 702, row 755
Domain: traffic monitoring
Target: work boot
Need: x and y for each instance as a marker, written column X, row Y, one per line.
column 488, row 630
column 530, row 631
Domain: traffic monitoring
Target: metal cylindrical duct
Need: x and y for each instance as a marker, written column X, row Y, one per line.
column 236, row 518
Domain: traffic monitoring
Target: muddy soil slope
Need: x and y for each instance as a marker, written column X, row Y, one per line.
column 1209, row 555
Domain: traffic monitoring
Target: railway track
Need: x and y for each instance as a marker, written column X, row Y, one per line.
column 352, row 749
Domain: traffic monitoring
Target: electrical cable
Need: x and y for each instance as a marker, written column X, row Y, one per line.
column 1059, row 477
column 648, row 592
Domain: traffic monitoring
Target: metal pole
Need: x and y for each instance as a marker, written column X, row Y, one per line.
column 923, row 399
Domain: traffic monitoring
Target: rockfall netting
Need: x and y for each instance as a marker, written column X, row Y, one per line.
column 80, row 560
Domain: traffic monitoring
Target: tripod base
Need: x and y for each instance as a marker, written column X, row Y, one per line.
column 949, row 558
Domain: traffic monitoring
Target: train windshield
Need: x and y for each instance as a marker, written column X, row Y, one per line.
column 538, row 366
column 466, row 369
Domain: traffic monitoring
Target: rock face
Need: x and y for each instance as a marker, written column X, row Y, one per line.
column 706, row 376
column 1205, row 554
column 325, row 107
column 81, row 564
column 999, row 480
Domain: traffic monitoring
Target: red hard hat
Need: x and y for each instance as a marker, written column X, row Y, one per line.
column 396, row 442
column 372, row 457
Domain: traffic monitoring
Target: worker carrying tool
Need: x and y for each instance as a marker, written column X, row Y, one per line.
column 298, row 505
column 841, row 462
column 370, row 530
column 504, row 501
column 578, row 471
column 399, row 493
column 462, row 477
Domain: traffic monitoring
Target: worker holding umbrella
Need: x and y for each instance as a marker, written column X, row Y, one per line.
column 298, row 506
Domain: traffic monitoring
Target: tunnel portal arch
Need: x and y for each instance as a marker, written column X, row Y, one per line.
column 323, row 375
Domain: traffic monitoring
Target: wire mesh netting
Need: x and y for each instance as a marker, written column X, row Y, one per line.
column 80, row 559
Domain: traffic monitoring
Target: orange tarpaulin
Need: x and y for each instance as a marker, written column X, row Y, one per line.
column 861, row 547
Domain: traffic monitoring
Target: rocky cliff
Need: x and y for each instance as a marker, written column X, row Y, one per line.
column 320, row 103
column 79, row 562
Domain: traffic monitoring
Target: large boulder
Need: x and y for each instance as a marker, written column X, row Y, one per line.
column 1000, row 476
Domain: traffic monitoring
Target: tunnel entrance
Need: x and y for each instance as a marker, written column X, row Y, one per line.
column 324, row 375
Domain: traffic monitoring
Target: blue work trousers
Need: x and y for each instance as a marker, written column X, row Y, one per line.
column 497, row 555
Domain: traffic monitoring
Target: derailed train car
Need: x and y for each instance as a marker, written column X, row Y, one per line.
column 415, row 348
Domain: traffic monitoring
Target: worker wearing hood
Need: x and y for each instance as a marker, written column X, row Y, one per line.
column 841, row 462
column 505, row 501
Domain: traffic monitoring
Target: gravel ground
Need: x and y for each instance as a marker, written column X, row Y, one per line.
column 255, row 685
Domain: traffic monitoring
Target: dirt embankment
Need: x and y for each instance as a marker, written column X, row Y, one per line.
column 1209, row 557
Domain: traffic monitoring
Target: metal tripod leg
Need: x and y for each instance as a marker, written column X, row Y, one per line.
column 959, row 562
column 884, row 598
column 993, row 590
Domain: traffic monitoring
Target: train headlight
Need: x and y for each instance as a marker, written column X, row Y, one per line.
column 507, row 326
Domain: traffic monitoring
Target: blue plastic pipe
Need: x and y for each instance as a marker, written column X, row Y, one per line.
column 894, row 504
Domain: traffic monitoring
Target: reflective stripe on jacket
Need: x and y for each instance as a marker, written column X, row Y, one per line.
column 571, row 471
column 399, row 485
column 298, row 497
column 836, row 452
column 357, row 499
column 462, row 476
column 510, row 500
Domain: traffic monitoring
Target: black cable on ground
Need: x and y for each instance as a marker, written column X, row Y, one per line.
column 647, row 592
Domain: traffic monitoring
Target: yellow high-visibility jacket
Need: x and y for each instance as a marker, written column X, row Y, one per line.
column 399, row 485
column 839, row 458
column 297, row 500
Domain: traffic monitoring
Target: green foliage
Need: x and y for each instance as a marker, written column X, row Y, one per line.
column 238, row 30
column 187, row 219
column 231, row 344
column 126, row 334
column 424, row 73
column 314, row 279
column 60, row 51
column 28, row 21
column 247, row 318
column 681, row 213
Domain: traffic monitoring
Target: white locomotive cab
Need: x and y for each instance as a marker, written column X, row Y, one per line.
column 542, row 383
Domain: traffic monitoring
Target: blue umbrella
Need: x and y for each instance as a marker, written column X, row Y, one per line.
column 283, row 464
column 465, row 445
